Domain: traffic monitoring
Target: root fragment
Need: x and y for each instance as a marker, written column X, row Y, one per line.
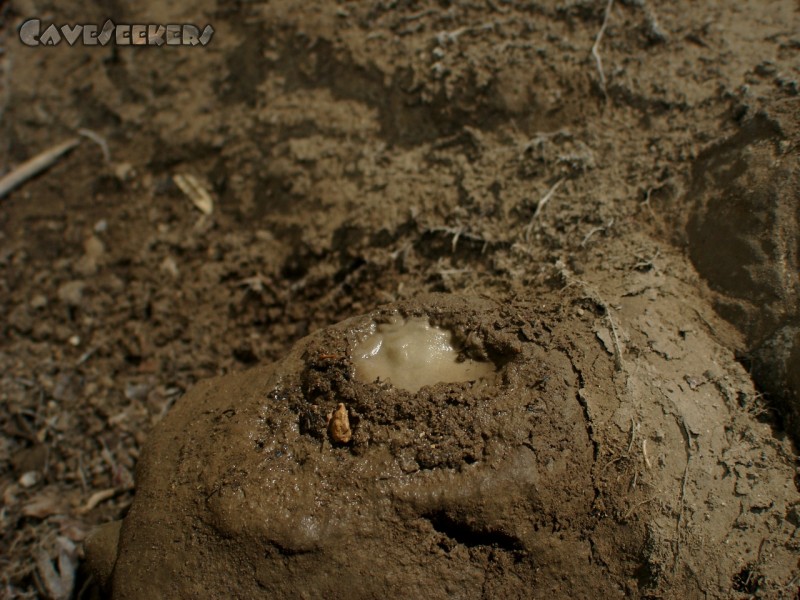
column 34, row 166
column 596, row 47
column 545, row 199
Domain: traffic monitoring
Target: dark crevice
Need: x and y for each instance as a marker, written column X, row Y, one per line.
column 585, row 408
column 747, row 581
column 284, row 550
column 587, row 417
column 473, row 535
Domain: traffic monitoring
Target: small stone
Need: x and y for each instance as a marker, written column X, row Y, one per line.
column 71, row 293
column 137, row 391
column 168, row 265
column 339, row 425
column 124, row 171
column 94, row 247
column 38, row 301
column 29, row 479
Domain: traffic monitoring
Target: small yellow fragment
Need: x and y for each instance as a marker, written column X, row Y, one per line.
column 339, row 425
column 195, row 191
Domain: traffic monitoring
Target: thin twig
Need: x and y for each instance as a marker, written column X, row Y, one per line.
column 596, row 47
column 638, row 505
column 34, row 166
column 551, row 192
column 634, row 427
column 195, row 191
column 594, row 230
column 86, row 356
column 96, row 499
column 458, row 233
column 617, row 347
column 647, row 204
column 99, row 140
column 706, row 323
column 628, row 451
column 453, row 271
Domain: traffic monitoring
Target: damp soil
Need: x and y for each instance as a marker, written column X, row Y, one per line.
column 606, row 196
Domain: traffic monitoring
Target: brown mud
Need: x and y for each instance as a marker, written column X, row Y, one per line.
column 569, row 475
column 630, row 223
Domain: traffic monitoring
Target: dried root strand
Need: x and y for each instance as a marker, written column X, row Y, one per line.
column 32, row 167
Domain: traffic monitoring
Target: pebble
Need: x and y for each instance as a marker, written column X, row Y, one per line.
column 38, row 301
column 124, row 171
column 137, row 391
column 170, row 266
column 71, row 293
column 94, row 247
column 29, row 479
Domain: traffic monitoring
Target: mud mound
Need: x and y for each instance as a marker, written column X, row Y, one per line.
column 498, row 487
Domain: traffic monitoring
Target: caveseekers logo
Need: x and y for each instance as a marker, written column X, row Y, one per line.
column 31, row 34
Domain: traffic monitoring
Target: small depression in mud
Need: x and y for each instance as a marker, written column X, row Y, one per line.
column 412, row 353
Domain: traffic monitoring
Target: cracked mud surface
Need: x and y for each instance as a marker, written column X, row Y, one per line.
column 633, row 238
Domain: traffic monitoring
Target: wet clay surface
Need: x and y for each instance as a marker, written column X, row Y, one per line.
column 617, row 183
column 452, row 490
column 540, row 481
